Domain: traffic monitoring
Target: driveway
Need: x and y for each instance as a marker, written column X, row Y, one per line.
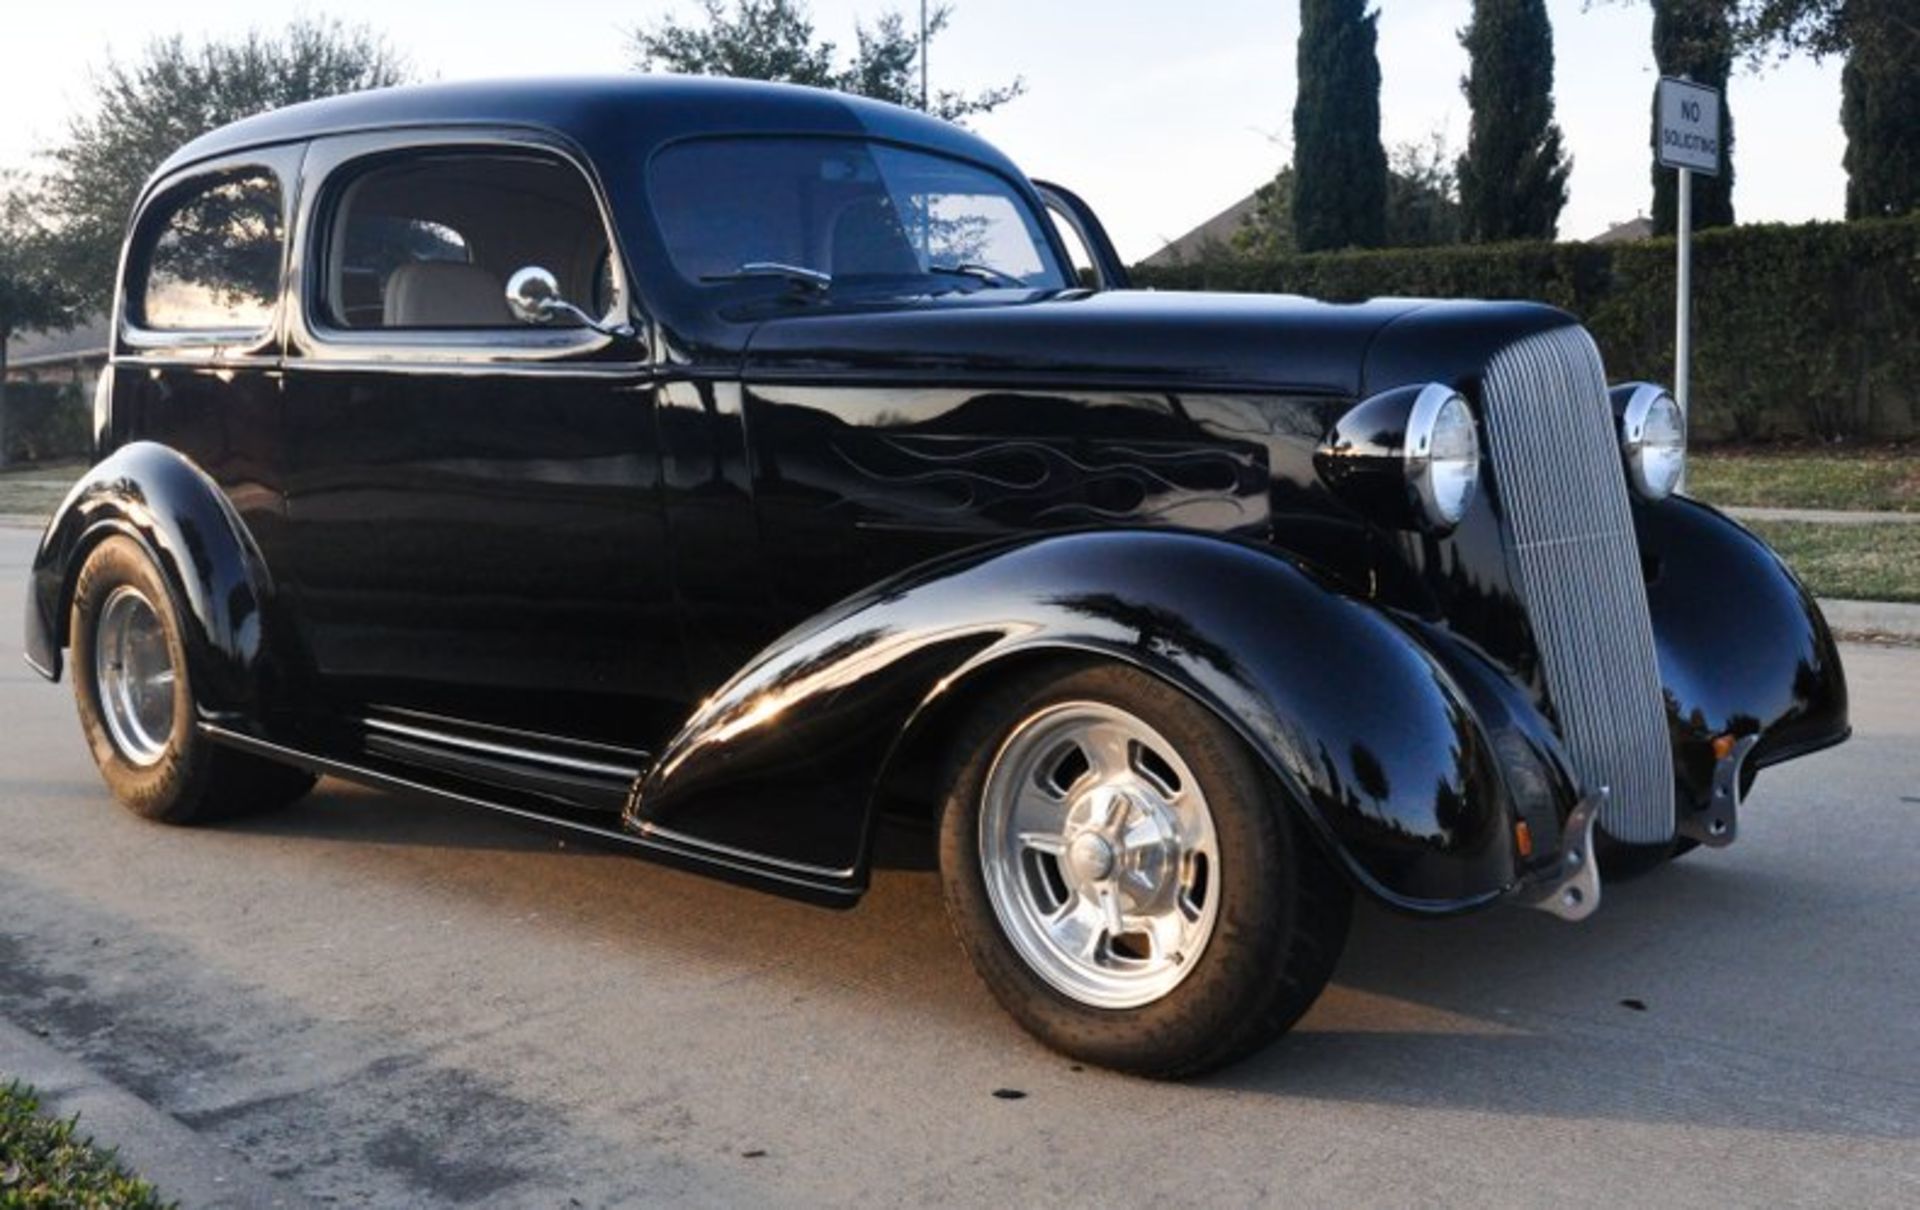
column 391, row 1002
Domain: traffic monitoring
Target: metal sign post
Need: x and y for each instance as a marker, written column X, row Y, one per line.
column 1689, row 141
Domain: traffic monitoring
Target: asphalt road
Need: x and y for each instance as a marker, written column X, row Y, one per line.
column 396, row 1003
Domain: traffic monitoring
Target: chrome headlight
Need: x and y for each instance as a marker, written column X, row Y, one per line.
column 1653, row 439
column 1408, row 457
column 1442, row 455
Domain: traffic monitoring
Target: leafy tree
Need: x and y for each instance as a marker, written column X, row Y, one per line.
column 143, row 110
column 776, row 40
column 1267, row 233
column 34, row 296
column 1513, row 179
column 1694, row 38
column 1340, row 171
column 1423, row 204
column 1880, row 86
column 1423, row 194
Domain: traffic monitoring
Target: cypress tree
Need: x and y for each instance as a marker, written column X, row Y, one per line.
column 1694, row 38
column 1340, row 169
column 1880, row 109
column 1513, row 179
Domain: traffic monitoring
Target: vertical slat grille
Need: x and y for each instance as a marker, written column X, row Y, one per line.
column 1556, row 466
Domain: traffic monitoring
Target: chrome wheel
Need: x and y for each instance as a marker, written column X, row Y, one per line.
column 1099, row 854
column 134, row 675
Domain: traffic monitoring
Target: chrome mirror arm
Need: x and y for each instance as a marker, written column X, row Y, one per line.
column 559, row 308
column 533, row 296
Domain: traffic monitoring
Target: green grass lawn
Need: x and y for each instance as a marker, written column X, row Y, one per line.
column 35, row 491
column 1853, row 562
column 46, row 1165
column 1873, row 480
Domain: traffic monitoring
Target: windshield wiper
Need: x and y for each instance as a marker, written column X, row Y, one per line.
column 985, row 273
column 797, row 275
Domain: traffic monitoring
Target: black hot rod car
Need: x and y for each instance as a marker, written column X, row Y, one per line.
column 719, row 469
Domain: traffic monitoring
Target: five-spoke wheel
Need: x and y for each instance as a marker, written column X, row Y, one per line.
column 1125, row 876
column 1099, row 853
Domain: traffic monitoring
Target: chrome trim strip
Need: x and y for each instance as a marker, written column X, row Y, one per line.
column 753, row 867
column 428, row 718
column 1555, row 458
column 509, row 751
column 682, row 840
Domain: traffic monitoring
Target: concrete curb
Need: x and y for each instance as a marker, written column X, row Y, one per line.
column 21, row 521
column 1819, row 516
column 186, row 1167
column 1888, row 619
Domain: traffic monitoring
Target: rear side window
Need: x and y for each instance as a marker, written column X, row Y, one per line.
column 428, row 240
column 213, row 263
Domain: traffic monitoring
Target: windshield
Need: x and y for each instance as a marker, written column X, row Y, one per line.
column 872, row 218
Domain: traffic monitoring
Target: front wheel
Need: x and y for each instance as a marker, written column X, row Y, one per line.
column 1126, row 879
column 134, row 689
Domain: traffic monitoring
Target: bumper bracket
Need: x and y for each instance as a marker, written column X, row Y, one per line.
column 1717, row 823
column 1571, row 890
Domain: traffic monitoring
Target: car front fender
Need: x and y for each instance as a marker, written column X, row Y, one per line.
column 1743, row 647
column 188, row 528
column 1370, row 735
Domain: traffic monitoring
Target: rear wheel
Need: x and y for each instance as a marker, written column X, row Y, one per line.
column 1126, row 879
column 134, row 689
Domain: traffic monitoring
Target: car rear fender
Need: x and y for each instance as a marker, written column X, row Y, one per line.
column 158, row 498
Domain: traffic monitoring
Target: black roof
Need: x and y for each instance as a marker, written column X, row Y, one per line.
column 634, row 112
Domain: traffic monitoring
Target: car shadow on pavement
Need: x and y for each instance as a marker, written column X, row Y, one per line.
column 1654, row 1007
column 1684, row 1000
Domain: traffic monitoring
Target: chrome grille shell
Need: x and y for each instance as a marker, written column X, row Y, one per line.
column 1576, row 568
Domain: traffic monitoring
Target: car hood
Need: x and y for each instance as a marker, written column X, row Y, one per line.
column 1140, row 337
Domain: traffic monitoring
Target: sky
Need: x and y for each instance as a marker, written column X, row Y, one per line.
column 1160, row 113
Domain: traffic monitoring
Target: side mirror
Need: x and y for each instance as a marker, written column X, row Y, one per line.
column 533, row 295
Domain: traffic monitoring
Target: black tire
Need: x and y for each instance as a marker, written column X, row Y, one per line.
column 1281, row 920
column 192, row 780
column 1623, row 862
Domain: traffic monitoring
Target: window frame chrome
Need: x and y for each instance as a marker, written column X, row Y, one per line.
column 139, row 342
column 331, row 159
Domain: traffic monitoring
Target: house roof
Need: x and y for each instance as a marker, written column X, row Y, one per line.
column 88, row 339
column 1217, row 230
column 1620, row 233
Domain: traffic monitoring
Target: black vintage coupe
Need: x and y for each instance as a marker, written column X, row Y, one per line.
column 724, row 471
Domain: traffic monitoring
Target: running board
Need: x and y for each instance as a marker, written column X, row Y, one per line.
column 571, row 775
column 680, row 852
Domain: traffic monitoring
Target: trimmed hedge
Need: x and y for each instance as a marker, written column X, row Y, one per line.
column 1798, row 331
column 46, row 420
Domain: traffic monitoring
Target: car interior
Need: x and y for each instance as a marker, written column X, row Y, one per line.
column 429, row 241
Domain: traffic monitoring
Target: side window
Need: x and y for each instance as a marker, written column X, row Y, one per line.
column 213, row 263
column 428, row 240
